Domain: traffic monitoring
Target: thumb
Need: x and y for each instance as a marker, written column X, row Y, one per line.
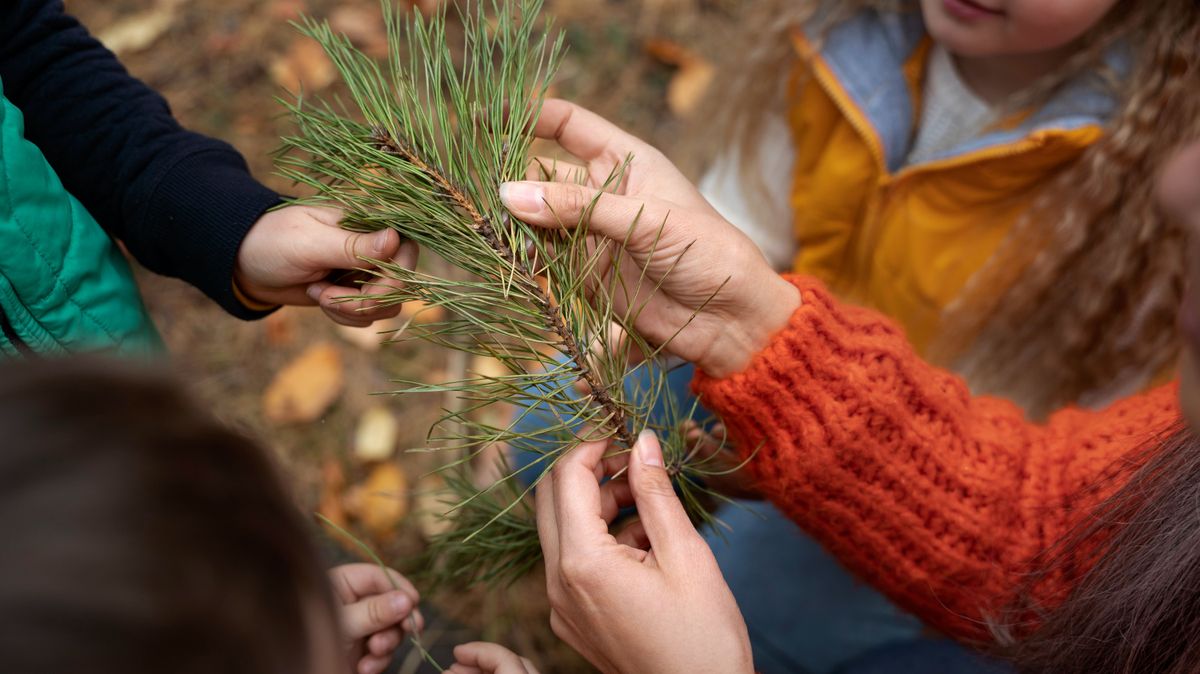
column 662, row 515
column 375, row 613
column 326, row 248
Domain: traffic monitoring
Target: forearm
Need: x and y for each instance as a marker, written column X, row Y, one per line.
column 181, row 202
column 937, row 497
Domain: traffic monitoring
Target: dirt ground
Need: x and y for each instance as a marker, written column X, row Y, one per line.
column 220, row 64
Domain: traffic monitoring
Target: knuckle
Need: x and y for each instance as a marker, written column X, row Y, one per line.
column 578, row 573
column 571, row 200
column 377, row 613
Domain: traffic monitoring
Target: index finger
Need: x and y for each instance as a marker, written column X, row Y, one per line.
column 585, row 134
column 353, row 582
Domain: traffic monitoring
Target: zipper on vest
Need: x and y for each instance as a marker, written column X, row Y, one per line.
column 10, row 333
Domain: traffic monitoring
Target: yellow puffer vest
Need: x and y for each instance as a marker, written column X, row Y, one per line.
column 906, row 239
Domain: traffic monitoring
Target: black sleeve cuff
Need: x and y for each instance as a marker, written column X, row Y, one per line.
column 199, row 212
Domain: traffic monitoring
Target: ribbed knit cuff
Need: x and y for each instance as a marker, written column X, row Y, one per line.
column 822, row 340
column 200, row 211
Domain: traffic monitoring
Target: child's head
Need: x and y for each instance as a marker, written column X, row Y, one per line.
column 982, row 28
column 1084, row 290
column 140, row 536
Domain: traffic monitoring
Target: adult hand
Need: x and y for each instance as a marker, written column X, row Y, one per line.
column 648, row 600
column 374, row 615
column 484, row 658
column 706, row 285
column 288, row 255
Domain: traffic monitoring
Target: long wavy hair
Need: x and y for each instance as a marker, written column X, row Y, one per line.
column 1078, row 302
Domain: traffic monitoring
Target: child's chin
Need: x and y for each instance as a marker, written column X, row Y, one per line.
column 972, row 41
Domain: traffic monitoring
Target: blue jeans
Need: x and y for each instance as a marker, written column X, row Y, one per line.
column 805, row 613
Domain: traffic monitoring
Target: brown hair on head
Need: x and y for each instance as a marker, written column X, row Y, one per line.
column 1081, row 297
column 1136, row 608
column 140, row 536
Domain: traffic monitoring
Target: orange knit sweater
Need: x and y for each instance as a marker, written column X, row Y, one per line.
column 938, row 498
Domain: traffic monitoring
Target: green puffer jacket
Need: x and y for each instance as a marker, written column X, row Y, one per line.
column 64, row 285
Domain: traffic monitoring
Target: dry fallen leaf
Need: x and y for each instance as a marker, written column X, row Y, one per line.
column 287, row 10
column 488, row 367
column 426, row 6
column 432, row 504
column 280, row 327
column 692, row 77
column 422, row 313
column 381, row 502
column 305, row 388
column 141, row 30
column 304, row 67
column 333, row 484
column 375, row 437
column 371, row 337
column 364, row 26
column 688, row 86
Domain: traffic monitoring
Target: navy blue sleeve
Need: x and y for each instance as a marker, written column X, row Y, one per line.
column 179, row 201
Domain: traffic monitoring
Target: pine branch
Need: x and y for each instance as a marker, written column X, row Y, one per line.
column 423, row 150
column 618, row 421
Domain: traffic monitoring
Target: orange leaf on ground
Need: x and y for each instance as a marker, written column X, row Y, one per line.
column 381, row 502
column 305, row 388
column 426, row 6
column 371, row 337
column 304, row 67
column 287, row 10
column 280, row 327
column 432, row 503
column 491, row 368
column 333, row 484
column 141, row 30
column 692, row 77
column 375, row 436
column 688, row 87
column 364, row 27
column 421, row 313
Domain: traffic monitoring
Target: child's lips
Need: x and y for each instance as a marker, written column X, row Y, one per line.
column 969, row 10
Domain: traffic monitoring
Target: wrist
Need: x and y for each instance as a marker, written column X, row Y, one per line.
column 247, row 300
column 759, row 316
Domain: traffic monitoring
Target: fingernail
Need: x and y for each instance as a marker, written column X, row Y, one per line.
column 523, row 197
column 381, row 241
column 401, row 603
column 648, row 449
column 314, row 292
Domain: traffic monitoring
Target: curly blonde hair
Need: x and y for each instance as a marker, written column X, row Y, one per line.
column 1079, row 302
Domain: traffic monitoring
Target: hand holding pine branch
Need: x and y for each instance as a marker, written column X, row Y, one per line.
column 423, row 151
column 703, row 290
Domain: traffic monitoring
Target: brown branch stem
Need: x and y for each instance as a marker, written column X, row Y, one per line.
column 550, row 310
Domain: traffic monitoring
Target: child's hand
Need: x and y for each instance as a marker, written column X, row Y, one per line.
column 289, row 254
column 374, row 616
column 485, row 658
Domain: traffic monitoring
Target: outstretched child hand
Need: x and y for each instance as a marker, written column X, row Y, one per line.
column 374, row 616
column 483, row 658
column 288, row 255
